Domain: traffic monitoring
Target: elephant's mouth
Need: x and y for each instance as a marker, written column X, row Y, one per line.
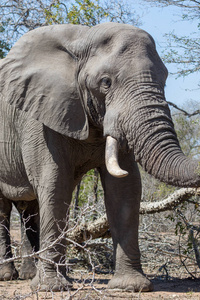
column 111, row 157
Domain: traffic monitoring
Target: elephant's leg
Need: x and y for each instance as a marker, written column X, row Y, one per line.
column 29, row 212
column 7, row 270
column 122, row 199
column 51, row 268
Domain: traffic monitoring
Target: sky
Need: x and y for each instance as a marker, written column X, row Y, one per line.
column 157, row 21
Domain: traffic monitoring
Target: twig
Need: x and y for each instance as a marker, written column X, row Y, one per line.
column 196, row 112
column 175, row 254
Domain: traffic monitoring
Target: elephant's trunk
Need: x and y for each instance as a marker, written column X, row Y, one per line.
column 173, row 168
column 156, row 146
column 149, row 130
column 162, row 157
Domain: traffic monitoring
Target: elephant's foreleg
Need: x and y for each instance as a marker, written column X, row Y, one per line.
column 51, row 268
column 29, row 212
column 122, row 199
column 7, row 270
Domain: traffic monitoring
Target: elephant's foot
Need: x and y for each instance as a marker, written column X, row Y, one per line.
column 50, row 283
column 28, row 269
column 8, row 272
column 131, row 282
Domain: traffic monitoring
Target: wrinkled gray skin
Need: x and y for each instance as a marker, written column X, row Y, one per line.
column 63, row 89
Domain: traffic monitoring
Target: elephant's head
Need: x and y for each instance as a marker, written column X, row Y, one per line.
column 110, row 75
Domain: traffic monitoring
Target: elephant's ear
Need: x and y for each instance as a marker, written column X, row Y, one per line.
column 39, row 77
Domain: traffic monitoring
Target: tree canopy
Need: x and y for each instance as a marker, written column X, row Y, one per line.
column 20, row 16
column 184, row 51
column 4, row 47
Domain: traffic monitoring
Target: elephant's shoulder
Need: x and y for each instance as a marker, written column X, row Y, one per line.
column 10, row 116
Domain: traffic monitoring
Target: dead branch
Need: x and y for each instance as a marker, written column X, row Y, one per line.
column 170, row 202
column 100, row 227
column 92, row 230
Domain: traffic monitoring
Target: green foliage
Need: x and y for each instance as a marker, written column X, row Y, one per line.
column 86, row 12
column 87, row 188
column 53, row 15
column 4, row 47
column 180, row 228
column 89, row 12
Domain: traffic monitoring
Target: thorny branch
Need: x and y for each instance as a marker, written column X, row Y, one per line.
column 170, row 202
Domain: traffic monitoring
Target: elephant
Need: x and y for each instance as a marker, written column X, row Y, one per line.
column 74, row 98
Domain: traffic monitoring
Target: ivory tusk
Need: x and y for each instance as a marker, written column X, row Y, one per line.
column 111, row 156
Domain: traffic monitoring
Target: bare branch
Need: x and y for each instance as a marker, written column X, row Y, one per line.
column 91, row 230
column 170, row 202
column 196, row 112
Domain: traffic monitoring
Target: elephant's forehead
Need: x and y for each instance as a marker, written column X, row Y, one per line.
column 123, row 42
column 133, row 41
column 123, row 54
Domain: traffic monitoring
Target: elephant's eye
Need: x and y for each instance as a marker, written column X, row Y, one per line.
column 106, row 82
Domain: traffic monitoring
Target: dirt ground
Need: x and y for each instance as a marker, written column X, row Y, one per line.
column 86, row 286
column 173, row 289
